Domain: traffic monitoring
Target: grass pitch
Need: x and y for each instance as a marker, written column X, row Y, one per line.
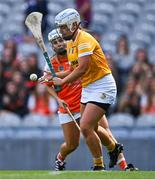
column 76, row 175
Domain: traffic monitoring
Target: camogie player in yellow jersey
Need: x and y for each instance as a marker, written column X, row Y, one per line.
column 98, row 85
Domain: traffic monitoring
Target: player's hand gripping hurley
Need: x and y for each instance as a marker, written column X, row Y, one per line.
column 33, row 22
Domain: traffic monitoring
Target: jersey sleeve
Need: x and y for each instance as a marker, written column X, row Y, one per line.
column 86, row 46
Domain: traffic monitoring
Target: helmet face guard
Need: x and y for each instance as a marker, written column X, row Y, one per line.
column 54, row 34
column 67, row 17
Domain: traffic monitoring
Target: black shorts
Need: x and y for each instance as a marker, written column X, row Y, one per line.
column 104, row 106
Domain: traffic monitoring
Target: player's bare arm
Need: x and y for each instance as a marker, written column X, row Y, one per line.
column 63, row 74
column 47, row 77
column 76, row 73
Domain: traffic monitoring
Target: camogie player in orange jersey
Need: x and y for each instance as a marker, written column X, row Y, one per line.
column 70, row 95
column 98, row 85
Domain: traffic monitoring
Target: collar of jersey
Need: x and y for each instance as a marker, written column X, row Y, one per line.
column 56, row 59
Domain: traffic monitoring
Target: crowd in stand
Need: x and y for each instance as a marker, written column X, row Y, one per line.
column 18, row 93
column 134, row 75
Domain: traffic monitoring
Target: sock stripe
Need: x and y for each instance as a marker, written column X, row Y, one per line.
column 59, row 156
column 98, row 161
column 119, row 160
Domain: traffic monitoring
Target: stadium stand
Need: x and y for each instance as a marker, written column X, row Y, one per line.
column 35, row 120
column 9, row 119
column 145, row 121
column 111, row 19
column 121, row 120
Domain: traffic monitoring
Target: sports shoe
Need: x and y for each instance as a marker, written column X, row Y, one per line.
column 98, row 168
column 114, row 155
column 59, row 165
column 130, row 167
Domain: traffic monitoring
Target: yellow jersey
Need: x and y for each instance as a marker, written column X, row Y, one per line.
column 84, row 45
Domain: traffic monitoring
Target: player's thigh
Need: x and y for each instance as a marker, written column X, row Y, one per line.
column 71, row 133
column 82, row 108
column 104, row 122
column 91, row 115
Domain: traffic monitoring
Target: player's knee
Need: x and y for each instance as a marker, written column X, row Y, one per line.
column 107, row 129
column 85, row 131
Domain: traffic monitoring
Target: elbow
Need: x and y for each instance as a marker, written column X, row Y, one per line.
column 82, row 71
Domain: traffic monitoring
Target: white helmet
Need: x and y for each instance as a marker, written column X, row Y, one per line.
column 67, row 17
column 54, row 34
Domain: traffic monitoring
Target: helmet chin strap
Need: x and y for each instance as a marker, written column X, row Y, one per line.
column 76, row 29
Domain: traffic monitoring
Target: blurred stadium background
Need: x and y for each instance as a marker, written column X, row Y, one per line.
column 30, row 133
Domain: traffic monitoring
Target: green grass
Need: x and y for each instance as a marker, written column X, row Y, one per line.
column 76, row 175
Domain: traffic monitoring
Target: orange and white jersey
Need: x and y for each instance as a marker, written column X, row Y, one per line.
column 83, row 45
column 70, row 93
